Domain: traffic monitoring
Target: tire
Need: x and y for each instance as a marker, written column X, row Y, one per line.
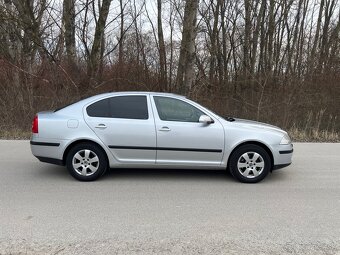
column 249, row 163
column 86, row 162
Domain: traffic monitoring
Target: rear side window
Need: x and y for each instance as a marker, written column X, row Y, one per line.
column 129, row 107
column 124, row 107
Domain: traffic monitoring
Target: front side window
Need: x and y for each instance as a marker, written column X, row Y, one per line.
column 124, row 107
column 171, row 109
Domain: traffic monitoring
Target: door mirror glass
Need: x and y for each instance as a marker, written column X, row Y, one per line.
column 205, row 119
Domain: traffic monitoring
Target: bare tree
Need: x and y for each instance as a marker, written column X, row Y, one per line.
column 96, row 55
column 69, row 29
column 161, row 48
column 185, row 73
column 122, row 32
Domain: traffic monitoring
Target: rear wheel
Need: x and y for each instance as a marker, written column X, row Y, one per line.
column 249, row 163
column 86, row 162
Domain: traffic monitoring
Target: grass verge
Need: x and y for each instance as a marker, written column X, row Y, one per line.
column 314, row 135
column 15, row 134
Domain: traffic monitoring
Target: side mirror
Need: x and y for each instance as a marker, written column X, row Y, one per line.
column 205, row 119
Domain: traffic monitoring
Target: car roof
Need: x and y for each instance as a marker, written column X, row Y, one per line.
column 87, row 100
column 143, row 93
column 122, row 93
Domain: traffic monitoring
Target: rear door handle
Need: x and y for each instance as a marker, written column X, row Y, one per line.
column 101, row 126
column 165, row 129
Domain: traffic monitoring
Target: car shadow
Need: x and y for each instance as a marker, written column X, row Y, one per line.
column 52, row 172
column 61, row 173
column 280, row 175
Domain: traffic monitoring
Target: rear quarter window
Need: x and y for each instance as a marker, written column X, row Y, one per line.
column 99, row 109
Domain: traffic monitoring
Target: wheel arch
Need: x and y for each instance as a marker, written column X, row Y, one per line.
column 76, row 142
column 260, row 144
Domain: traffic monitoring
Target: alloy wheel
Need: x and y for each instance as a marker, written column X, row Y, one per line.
column 250, row 164
column 85, row 162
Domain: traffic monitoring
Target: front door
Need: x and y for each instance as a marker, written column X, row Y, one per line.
column 181, row 138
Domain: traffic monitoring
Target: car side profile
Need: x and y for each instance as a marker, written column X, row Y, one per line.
column 155, row 130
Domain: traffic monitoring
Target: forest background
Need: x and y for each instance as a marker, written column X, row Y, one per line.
column 276, row 61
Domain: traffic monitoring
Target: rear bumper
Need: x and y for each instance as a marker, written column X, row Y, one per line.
column 51, row 160
column 45, row 149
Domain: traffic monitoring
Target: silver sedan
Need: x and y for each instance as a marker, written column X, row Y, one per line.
column 155, row 130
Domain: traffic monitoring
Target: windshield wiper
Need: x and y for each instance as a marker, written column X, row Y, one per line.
column 230, row 119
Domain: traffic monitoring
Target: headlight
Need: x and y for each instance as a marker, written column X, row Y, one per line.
column 285, row 140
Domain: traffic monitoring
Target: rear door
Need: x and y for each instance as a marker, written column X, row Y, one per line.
column 125, row 124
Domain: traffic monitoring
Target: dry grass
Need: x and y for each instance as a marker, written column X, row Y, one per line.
column 298, row 135
column 14, row 134
column 311, row 131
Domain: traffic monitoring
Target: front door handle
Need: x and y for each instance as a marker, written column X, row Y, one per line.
column 165, row 129
column 101, row 126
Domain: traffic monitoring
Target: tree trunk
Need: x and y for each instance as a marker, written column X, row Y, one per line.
column 121, row 39
column 161, row 48
column 213, row 43
column 14, row 51
column 185, row 73
column 96, row 54
column 246, row 43
column 317, row 35
column 69, row 29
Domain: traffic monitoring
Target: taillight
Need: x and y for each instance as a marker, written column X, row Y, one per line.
column 35, row 125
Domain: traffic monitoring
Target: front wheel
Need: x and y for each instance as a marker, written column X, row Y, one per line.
column 249, row 163
column 86, row 162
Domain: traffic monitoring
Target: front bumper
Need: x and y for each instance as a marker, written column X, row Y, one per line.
column 276, row 167
column 282, row 155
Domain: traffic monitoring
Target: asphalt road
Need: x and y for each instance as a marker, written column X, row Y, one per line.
column 294, row 210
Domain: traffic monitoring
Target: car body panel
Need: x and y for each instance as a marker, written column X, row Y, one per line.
column 178, row 145
column 126, row 138
column 149, row 147
column 238, row 132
